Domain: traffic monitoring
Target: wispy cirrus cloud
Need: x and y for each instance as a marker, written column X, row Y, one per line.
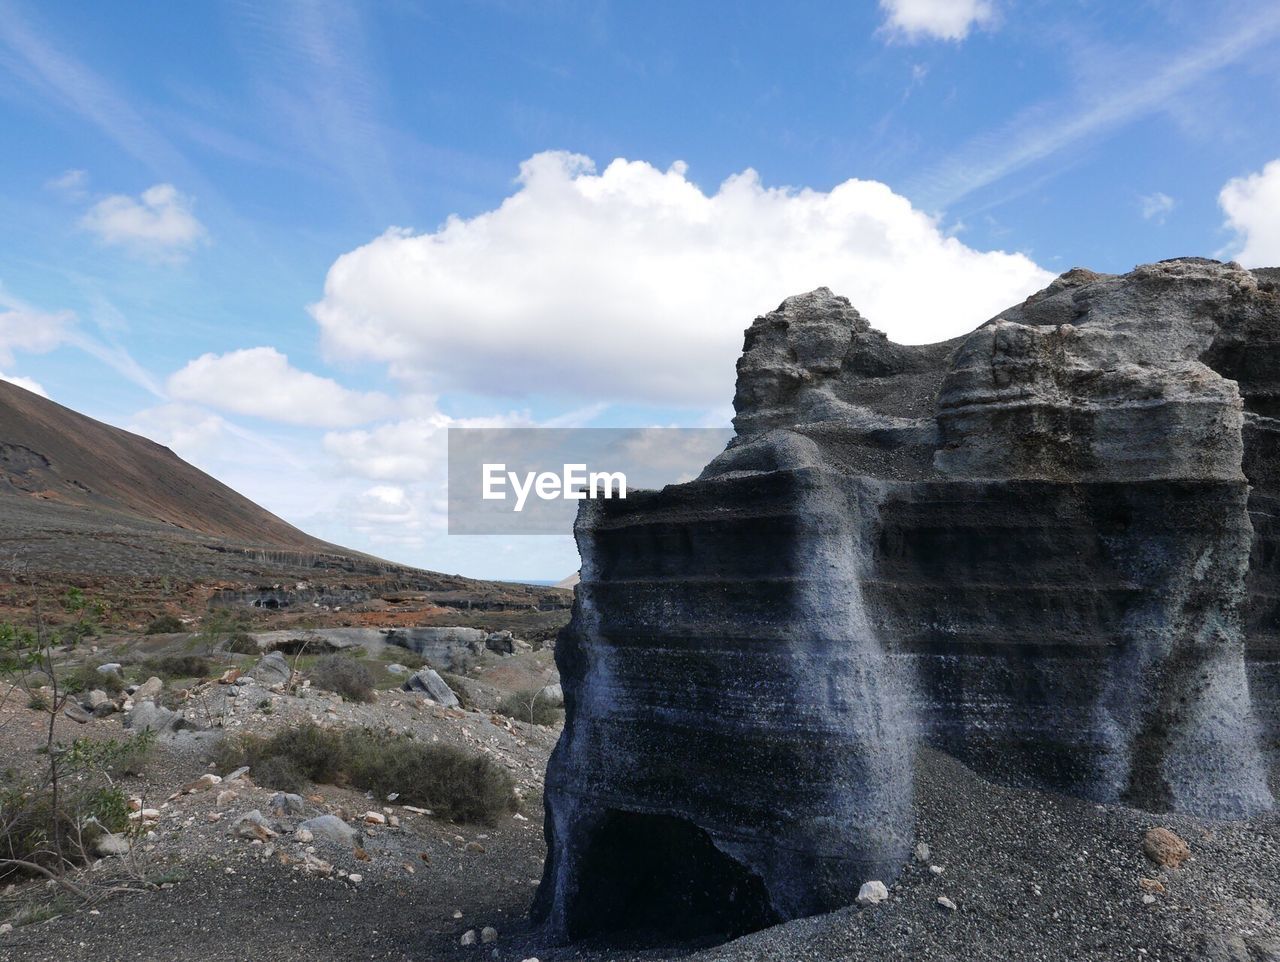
column 1107, row 103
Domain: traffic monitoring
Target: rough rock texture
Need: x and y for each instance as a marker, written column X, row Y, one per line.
column 1040, row 548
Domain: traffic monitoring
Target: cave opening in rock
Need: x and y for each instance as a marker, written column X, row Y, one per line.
column 658, row 878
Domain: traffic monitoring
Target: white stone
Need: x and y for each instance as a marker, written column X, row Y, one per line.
column 872, row 893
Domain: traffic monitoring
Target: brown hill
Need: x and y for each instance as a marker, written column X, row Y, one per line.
column 89, row 505
column 52, row 454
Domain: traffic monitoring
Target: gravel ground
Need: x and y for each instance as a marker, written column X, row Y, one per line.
column 1033, row 875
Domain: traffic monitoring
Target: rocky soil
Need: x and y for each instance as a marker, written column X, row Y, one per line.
column 1030, row 875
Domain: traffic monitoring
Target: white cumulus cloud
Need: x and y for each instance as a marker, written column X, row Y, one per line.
column 635, row 284
column 940, row 19
column 261, row 382
column 1252, row 206
column 158, row 222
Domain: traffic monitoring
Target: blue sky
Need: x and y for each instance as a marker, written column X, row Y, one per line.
column 296, row 241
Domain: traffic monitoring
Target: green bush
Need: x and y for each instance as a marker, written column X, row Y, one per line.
column 452, row 782
column 165, row 625
column 531, row 705
column 86, row 677
column 344, row 675
column 35, row 829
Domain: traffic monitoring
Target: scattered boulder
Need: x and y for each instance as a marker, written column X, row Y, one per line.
column 1165, row 848
column 488, row 934
column 946, row 904
column 468, row 937
column 872, row 893
column 76, row 713
column 148, row 716
column 922, row 853
column 95, row 698
column 331, row 828
column 501, row 642
column 427, row 682
column 149, row 690
column 271, row 670
column 397, row 669
column 110, row 668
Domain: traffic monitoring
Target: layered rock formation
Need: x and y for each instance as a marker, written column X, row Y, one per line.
column 1047, row 548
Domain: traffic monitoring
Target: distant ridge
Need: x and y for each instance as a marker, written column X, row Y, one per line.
column 53, row 455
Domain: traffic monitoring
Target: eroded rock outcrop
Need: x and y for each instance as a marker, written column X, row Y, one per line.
column 1047, row 548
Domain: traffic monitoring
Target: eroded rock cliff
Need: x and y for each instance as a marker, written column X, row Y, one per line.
column 1047, row 548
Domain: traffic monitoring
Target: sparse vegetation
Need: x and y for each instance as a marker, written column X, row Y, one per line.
column 242, row 643
column 533, row 706
column 344, row 675
column 86, row 677
column 177, row 666
column 452, row 782
column 458, row 685
column 164, row 625
column 403, row 656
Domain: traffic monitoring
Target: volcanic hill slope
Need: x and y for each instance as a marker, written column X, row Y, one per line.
column 86, row 504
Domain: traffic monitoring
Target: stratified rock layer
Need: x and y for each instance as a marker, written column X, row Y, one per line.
column 1040, row 548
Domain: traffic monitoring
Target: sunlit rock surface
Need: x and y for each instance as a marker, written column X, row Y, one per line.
column 1048, row 548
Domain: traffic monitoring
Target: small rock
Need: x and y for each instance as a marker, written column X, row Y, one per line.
column 922, row 853
column 303, row 836
column 1151, row 885
column 936, row 869
column 202, row 784
column 76, row 713
column 6, row 928
column 946, row 903
column 230, row 676
column 457, row 913
column 1165, row 848
column 397, row 669
column 330, row 827
column 375, row 818
column 468, row 937
column 1148, row 899
column 238, row 773
column 355, row 877
column 286, row 803
column 254, row 825
column 110, row 668
column 488, row 934
column 872, row 893
column 475, row 848
column 111, row 844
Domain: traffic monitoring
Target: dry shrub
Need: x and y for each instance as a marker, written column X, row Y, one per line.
column 450, row 781
column 344, row 675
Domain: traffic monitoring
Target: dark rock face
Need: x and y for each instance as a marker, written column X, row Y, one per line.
column 1047, row 548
